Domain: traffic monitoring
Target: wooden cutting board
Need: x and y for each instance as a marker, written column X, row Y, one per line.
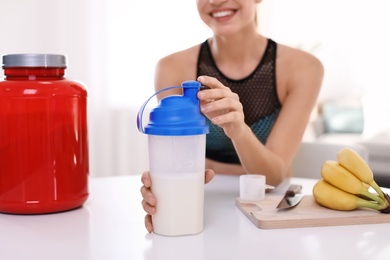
column 307, row 213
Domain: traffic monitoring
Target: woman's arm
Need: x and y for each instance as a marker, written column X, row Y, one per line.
column 298, row 93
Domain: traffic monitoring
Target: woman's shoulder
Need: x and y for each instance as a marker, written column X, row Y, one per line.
column 183, row 58
column 296, row 57
column 176, row 67
column 293, row 65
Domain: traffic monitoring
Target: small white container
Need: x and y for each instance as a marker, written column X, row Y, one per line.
column 252, row 187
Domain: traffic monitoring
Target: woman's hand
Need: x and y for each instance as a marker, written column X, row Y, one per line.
column 221, row 106
column 149, row 200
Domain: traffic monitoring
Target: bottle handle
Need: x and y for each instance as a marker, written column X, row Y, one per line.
column 141, row 111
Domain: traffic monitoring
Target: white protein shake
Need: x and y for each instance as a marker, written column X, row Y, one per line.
column 180, row 200
column 176, row 146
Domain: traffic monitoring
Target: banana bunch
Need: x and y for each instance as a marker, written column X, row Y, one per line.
column 346, row 182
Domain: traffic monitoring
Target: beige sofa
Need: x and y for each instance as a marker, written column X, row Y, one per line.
column 311, row 156
column 376, row 143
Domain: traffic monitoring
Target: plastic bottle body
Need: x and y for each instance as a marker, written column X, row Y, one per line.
column 177, row 146
column 44, row 159
column 177, row 165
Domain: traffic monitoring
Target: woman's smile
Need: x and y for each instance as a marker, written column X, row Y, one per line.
column 223, row 14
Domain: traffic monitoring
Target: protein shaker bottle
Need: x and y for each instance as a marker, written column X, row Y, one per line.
column 43, row 136
column 177, row 139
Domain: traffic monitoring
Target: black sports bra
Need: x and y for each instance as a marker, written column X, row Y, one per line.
column 257, row 94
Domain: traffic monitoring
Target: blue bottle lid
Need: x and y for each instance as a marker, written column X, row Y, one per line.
column 178, row 115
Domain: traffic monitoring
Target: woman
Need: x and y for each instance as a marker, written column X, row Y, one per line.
column 260, row 95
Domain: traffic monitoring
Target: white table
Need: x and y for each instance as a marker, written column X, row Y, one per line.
column 110, row 226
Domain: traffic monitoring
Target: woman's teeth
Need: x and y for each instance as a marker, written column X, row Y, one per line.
column 222, row 14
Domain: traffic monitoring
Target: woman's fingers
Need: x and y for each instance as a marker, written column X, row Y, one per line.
column 148, row 223
column 224, row 103
column 209, row 175
column 217, row 97
column 145, row 179
column 210, row 82
column 149, row 200
column 221, row 105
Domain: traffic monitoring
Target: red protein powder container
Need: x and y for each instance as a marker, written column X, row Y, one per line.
column 44, row 164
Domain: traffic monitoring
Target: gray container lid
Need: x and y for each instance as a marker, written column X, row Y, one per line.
column 34, row 60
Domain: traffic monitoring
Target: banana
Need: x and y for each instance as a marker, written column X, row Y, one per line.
column 331, row 197
column 353, row 162
column 338, row 176
column 366, row 185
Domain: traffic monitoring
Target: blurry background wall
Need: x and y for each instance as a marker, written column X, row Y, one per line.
column 112, row 46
